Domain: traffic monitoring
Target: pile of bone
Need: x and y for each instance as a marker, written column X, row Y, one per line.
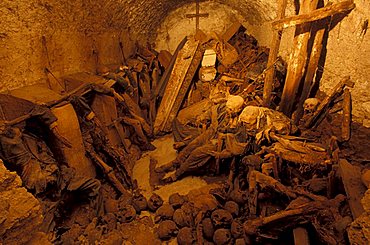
column 199, row 220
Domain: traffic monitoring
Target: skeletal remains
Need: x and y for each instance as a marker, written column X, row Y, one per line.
column 310, row 105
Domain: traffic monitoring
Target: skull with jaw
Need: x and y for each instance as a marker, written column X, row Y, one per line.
column 221, row 218
column 310, row 105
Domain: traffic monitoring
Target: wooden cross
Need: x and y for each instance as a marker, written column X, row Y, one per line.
column 197, row 15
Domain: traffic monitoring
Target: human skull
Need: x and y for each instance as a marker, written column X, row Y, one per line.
column 176, row 200
column 182, row 219
column 140, row 203
column 205, row 203
column 237, row 229
column 234, row 104
column 154, row 202
column 164, row 212
column 166, row 229
column 126, row 214
column 188, row 208
column 111, row 206
column 240, row 241
column 222, row 236
column 221, row 218
column 208, row 228
column 232, row 207
column 110, row 221
column 239, row 197
column 310, row 105
column 186, row 236
column 250, row 116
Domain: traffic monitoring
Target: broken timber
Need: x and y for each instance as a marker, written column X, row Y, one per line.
column 105, row 110
column 314, row 15
column 346, row 123
column 184, row 69
column 297, row 61
column 68, row 127
column 236, row 27
column 351, row 178
column 275, row 44
column 311, row 71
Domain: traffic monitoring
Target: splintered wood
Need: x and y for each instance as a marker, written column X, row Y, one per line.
column 69, row 127
column 351, row 178
column 273, row 54
column 178, row 84
column 297, row 61
column 318, row 14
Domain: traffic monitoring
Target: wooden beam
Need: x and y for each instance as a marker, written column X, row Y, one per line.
column 186, row 64
column 314, row 15
column 298, row 60
column 355, row 189
column 274, row 50
column 236, row 27
column 311, row 71
column 346, row 121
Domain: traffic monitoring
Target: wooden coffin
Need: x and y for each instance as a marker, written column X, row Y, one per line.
column 68, row 127
column 186, row 64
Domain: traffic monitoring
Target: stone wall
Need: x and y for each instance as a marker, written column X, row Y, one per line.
column 73, row 29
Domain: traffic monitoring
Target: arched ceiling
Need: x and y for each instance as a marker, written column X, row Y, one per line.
column 143, row 17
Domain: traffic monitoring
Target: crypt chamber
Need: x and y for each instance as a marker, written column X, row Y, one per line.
column 184, row 122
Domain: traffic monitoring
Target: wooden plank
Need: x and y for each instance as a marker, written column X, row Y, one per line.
column 75, row 80
column 232, row 30
column 274, row 50
column 37, row 93
column 184, row 69
column 159, row 91
column 314, row 15
column 297, row 61
column 310, row 74
column 301, row 236
column 164, row 58
column 351, row 178
column 105, row 110
column 69, row 128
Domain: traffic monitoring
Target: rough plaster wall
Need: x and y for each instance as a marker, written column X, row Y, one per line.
column 255, row 15
column 348, row 53
column 74, row 28
column 176, row 25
